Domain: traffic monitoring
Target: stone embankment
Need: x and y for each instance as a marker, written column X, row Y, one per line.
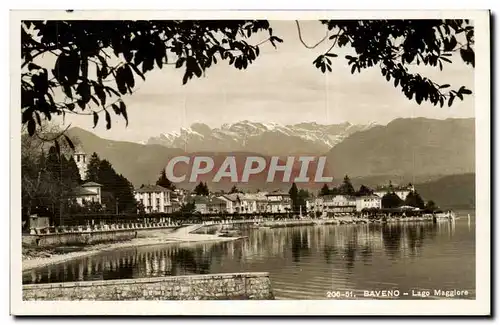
column 230, row 286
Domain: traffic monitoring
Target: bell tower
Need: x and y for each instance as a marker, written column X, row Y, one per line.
column 81, row 161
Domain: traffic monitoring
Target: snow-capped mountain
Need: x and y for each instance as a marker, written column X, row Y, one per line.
column 264, row 138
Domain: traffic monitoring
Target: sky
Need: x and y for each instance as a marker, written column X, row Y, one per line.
column 281, row 86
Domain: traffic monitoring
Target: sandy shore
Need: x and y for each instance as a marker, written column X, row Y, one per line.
column 36, row 262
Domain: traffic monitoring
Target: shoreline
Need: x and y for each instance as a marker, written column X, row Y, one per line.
column 38, row 262
column 29, row 263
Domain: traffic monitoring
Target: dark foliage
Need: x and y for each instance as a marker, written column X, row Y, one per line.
column 98, row 62
column 363, row 191
column 325, row 190
column 346, row 187
column 163, row 181
column 391, row 200
column 201, row 189
column 117, row 191
column 413, row 199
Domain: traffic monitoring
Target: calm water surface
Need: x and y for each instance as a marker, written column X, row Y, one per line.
column 304, row 262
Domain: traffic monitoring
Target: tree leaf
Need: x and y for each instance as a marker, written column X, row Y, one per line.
column 96, row 118
column 116, row 109
column 450, row 101
column 108, row 120
column 67, row 91
column 32, row 66
column 123, row 110
column 179, row 62
column 99, row 91
column 121, row 81
column 31, row 126
column 129, row 76
column 134, row 67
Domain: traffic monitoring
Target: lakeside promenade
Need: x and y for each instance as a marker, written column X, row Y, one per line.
column 157, row 234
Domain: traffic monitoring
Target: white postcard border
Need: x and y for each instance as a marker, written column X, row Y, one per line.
column 480, row 306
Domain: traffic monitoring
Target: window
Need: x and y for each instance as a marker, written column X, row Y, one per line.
column 77, row 158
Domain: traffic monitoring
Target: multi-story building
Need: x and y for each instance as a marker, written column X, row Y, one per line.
column 232, row 202
column 154, row 198
column 401, row 191
column 368, row 202
column 336, row 203
column 208, row 205
column 254, row 202
column 278, row 202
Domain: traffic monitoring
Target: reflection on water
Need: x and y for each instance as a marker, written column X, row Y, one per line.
column 304, row 262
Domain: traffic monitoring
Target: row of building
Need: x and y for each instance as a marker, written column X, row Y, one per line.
column 154, row 198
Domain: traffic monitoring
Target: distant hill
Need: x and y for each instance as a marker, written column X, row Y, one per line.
column 140, row 164
column 421, row 151
column 454, row 191
column 407, row 147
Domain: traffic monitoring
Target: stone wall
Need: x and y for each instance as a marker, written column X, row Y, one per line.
column 228, row 286
column 84, row 236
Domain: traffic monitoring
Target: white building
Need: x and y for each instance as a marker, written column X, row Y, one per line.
column 401, row 191
column 208, row 205
column 336, row 203
column 368, row 202
column 88, row 192
column 254, row 202
column 278, row 202
column 232, row 201
column 154, row 198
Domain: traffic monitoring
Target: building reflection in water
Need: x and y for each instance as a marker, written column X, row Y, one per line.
column 349, row 244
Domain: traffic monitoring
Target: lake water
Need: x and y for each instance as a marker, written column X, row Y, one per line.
column 311, row 262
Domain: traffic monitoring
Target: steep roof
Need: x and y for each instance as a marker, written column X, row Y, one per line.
column 372, row 196
column 277, row 193
column 233, row 196
column 199, row 199
column 81, row 191
column 151, row 189
column 394, row 187
column 332, row 196
column 89, row 184
column 254, row 197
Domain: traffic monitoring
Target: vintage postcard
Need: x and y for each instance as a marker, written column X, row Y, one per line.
column 291, row 163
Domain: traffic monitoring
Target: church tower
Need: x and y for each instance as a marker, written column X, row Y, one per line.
column 81, row 161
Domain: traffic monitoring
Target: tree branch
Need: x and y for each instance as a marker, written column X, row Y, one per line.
column 302, row 40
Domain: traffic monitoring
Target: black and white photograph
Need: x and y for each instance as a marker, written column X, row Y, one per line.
column 315, row 159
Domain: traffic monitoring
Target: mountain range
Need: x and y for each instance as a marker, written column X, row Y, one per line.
column 417, row 150
column 264, row 138
column 407, row 147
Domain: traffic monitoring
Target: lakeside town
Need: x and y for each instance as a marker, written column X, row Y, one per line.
column 159, row 162
column 91, row 201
